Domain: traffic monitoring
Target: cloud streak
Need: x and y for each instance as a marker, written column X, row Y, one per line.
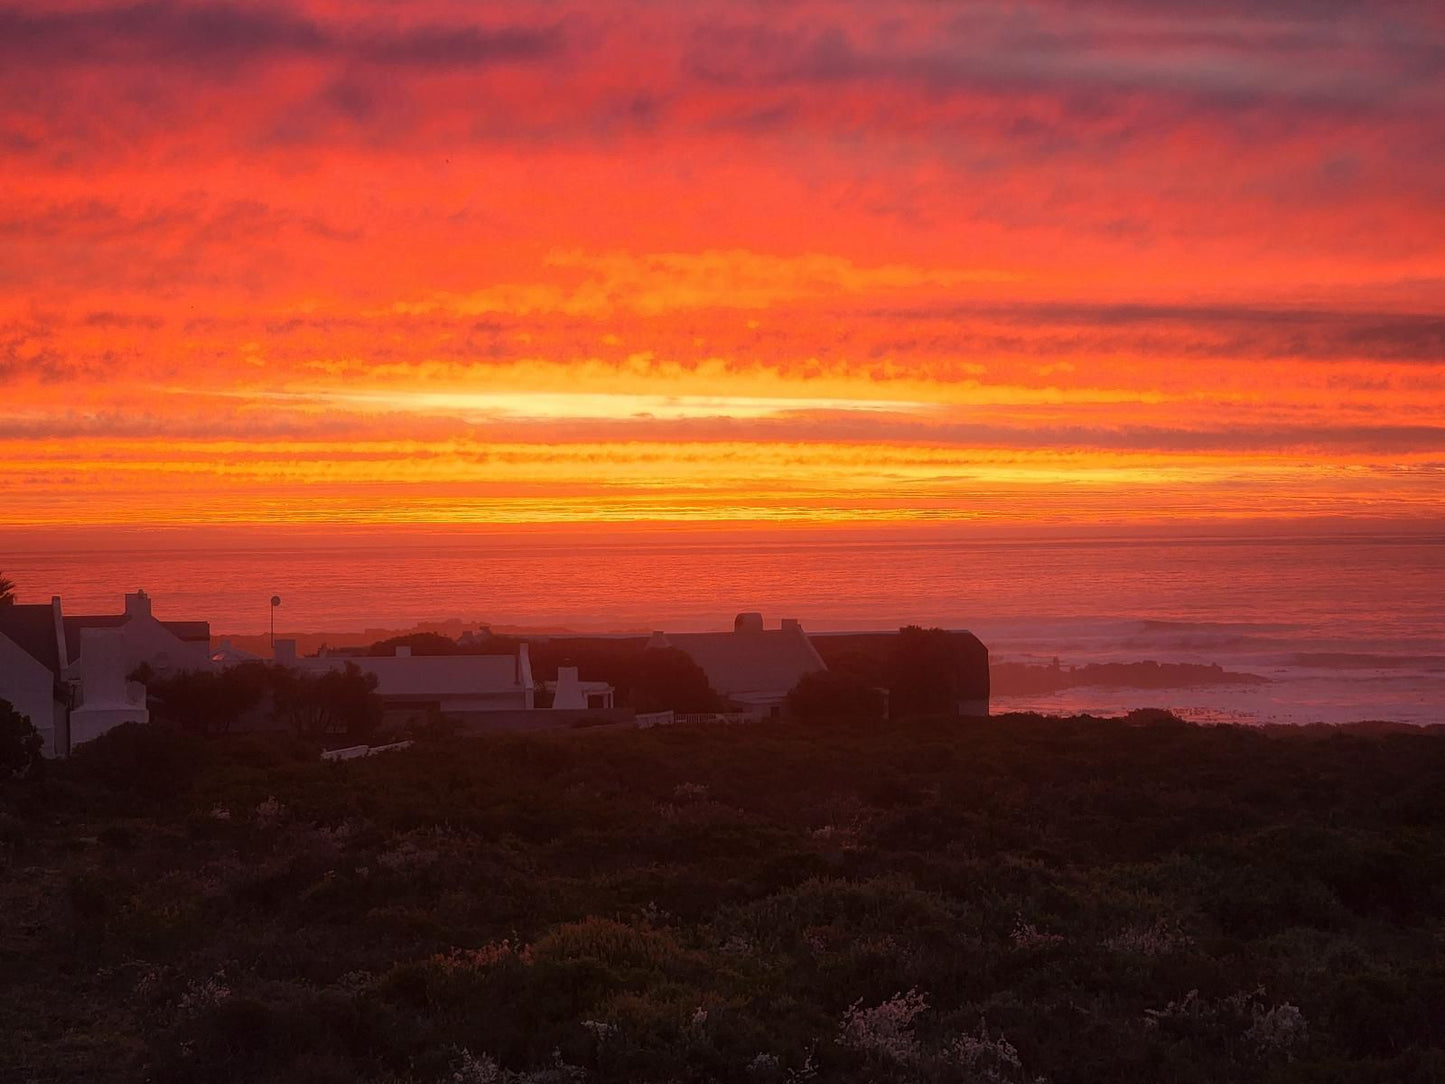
column 202, row 36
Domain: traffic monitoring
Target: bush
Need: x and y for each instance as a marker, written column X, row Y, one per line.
column 205, row 702
column 667, row 679
column 1076, row 899
column 20, row 743
column 332, row 702
column 825, row 694
column 144, row 764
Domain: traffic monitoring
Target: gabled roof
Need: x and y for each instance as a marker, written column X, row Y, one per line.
column 748, row 661
column 32, row 629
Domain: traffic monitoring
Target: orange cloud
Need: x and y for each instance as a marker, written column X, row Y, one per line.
column 546, row 261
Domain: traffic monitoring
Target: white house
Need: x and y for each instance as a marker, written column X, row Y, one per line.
column 752, row 666
column 69, row 674
column 448, row 683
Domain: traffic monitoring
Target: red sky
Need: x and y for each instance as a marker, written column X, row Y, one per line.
column 868, row 261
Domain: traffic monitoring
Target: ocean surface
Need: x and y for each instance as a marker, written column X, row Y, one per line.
column 1345, row 627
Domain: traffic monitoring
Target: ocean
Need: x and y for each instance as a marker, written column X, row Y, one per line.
column 1346, row 627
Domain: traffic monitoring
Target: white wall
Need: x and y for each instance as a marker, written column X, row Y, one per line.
column 30, row 688
column 106, row 699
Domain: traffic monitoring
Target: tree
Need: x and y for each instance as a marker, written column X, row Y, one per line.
column 7, row 590
column 421, row 643
column 667, row 679
column 335, row 701
column 204, row 702
column 20, row 744
column 829, row 694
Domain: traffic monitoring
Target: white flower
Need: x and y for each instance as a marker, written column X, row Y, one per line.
column 886, row 1030
column 1280, row 1030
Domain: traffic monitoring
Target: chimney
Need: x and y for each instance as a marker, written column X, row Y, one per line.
column 403, row 651
column 568, row 692
column 59, row 619
column 284, row 652
column 792, row 624
column 138, row 605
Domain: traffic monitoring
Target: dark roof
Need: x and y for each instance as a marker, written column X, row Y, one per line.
column 186, row 631
column 738, row 663
column 32, row 628
column 969, row 652
column 189, row 631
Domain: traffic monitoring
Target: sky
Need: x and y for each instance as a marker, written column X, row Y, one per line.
column 870, row 262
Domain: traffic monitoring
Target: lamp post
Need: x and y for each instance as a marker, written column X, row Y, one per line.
column 275, row 601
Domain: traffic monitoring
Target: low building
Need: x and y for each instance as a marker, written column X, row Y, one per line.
column 753, row 667
column 957, row 661
column 418, row 684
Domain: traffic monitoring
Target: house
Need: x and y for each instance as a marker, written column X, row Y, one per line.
column 70, row 675
column 752, row 666
column 30, row 668
column 956, row 660
column 454, row 684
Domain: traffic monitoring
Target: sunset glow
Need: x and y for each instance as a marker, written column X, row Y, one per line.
column 1037, row 262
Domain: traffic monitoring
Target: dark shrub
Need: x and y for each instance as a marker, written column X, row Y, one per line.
column 141, row 764
column 20, row 742
column 825, row 694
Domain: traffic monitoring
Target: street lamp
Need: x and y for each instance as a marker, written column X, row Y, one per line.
column 275, row 601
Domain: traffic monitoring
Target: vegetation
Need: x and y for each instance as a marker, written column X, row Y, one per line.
column 7, row 590
column 937, row 900
column 321, row 706
column 666, row 679
column 20, row 742
column 332, row 702
column 435, row 643
column 209, row 702
column 829, row 694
